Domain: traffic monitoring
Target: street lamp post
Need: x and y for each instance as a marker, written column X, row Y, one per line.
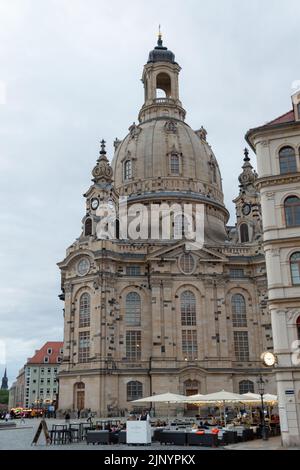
column 261, row 391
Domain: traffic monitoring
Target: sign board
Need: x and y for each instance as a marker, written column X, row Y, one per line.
column 42, row 427
column 290, row 392
column 138, row 432
column 283, row 419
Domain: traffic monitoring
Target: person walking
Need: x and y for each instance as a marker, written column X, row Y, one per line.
column 89, row 418
column 23, row 414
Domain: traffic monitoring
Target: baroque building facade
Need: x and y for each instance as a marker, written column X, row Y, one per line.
column 151, row 314
column 277, row 147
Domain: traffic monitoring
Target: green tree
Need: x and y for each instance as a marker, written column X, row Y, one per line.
column 4, row 397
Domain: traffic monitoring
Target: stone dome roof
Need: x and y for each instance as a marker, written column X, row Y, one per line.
column 149, row 146
column 161, row 53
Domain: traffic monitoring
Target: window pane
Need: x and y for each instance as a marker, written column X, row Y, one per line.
column 133, row 345
column 134, row 390
column 246, row 386
column 84, row 310
column 133, row 270
column 241, row 345
column 292, row 211
column 295, row 268
column 188, row 308
column 84, row 346
column 236, row 273
column 174, row 164
column 239, row 316
column 287, row 160
column 128, row 170
column 189, row 344
column 133, row 309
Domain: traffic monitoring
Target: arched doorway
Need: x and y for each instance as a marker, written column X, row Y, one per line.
column 79, row 395
column 191, row 387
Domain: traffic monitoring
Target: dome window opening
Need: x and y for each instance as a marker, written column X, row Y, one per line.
column 163, row 86
column 175, row 164
column 128, row 170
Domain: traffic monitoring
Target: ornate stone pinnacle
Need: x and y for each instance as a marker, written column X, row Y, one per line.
column 102, row 151
column 102, row 172
column 246, row 153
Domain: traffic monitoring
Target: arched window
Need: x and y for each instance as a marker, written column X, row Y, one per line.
column 238, row 306
column 163, row 82
column 188, row 308
column 133, row 309
column 84, row 310
column 295, row 268
column 292, row 211
column 287, row 160
column 246, row 386
column 88, row 227
column 134, row 390
column 244, row 233
column 298, row 327
column 128, row 170
column 174, row 164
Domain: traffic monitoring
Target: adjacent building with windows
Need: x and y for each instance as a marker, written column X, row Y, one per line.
column 277, row 146
column 37, row 383
column 155, row 315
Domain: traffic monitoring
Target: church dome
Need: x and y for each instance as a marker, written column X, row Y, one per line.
column 166, row 155
column 162, row 159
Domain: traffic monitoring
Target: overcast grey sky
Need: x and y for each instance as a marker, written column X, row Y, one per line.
column 70, row 74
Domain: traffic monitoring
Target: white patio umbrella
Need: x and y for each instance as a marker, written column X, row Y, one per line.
column 221, row 398
column 162, row 398
column 255, row 397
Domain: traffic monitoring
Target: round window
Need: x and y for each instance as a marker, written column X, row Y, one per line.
column 187, row 263
column 83, row 266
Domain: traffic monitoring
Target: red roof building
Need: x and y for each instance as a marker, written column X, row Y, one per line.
column 50, row 353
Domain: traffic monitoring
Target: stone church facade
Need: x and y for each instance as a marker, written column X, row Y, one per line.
column 153, row 315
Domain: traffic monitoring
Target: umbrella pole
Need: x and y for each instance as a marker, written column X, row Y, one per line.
column 224, row 414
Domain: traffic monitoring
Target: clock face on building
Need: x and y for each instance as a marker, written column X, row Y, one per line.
column 94, row 204
column 246, row 209
column 268, row 358
column 83, row 266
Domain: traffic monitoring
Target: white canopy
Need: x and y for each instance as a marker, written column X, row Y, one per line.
column 162, row 398
column 255, row 397
column 221, row 396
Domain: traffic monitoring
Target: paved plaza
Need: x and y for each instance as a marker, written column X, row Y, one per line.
column 20, row 438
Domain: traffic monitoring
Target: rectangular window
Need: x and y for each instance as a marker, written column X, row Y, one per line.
column 84, row 346
column 49, row 370
column 241, row 345
column 133, row 270
column 236, row 273
column 133, row 345
column 189, row 344
column 174, row 164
